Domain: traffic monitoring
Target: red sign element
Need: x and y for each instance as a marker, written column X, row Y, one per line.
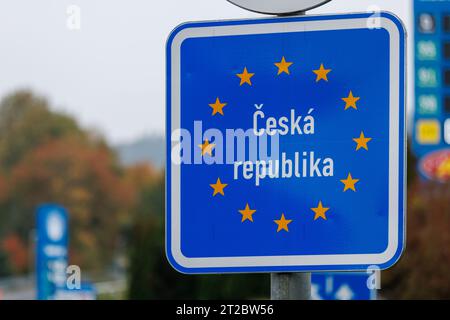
column 436, row 165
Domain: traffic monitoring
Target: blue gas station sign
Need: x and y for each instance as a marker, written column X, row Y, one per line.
column 431, row 130
column 51, row 250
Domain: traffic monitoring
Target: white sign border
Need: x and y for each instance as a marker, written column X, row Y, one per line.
column 301, row 261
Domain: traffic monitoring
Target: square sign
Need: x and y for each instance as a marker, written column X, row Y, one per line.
column 286, row 144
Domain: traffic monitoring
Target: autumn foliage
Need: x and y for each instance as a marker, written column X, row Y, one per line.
column 45, row 157
column 423, row 271
column 17, row 252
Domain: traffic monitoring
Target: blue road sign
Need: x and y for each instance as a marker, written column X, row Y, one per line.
column 51, row 250
column 286, row 139
column 342, row 286
column 431, row 129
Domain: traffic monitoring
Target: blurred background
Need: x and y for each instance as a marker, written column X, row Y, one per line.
column 82, row 125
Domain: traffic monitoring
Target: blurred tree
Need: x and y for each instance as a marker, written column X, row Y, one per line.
column 26, row 121
column 150, row 274
column 137, row 178
column 46, row 157
column 411, row 173
column 422, row 272
column 5, row 269
column 17, row 253
column 84, row 179
column 152, row 277
column 239, row 286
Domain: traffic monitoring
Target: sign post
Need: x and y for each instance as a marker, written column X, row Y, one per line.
column 290, row 286
column 286, row 139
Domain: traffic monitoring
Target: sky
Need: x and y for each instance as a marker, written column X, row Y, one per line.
column 109, row 70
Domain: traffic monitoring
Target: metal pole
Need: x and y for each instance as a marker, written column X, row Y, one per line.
column 290, row 286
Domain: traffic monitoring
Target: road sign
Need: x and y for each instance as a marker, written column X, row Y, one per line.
column 431, row 129
column 286, row 144
column 342, row 286
column 51, row 250
column 279, row 6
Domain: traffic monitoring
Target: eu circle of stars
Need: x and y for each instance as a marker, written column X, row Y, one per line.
column 320, row 210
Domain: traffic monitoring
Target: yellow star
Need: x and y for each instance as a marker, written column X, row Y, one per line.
column 247, row 213
column 349, row 183
column 207, row 147
column 282, row 223
column 320, row 211
column 322, row 73
column 283, row 66
column 362, row 142
column 217, row 107
column 218, row 187
column 350, row 101
column 245, row 77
